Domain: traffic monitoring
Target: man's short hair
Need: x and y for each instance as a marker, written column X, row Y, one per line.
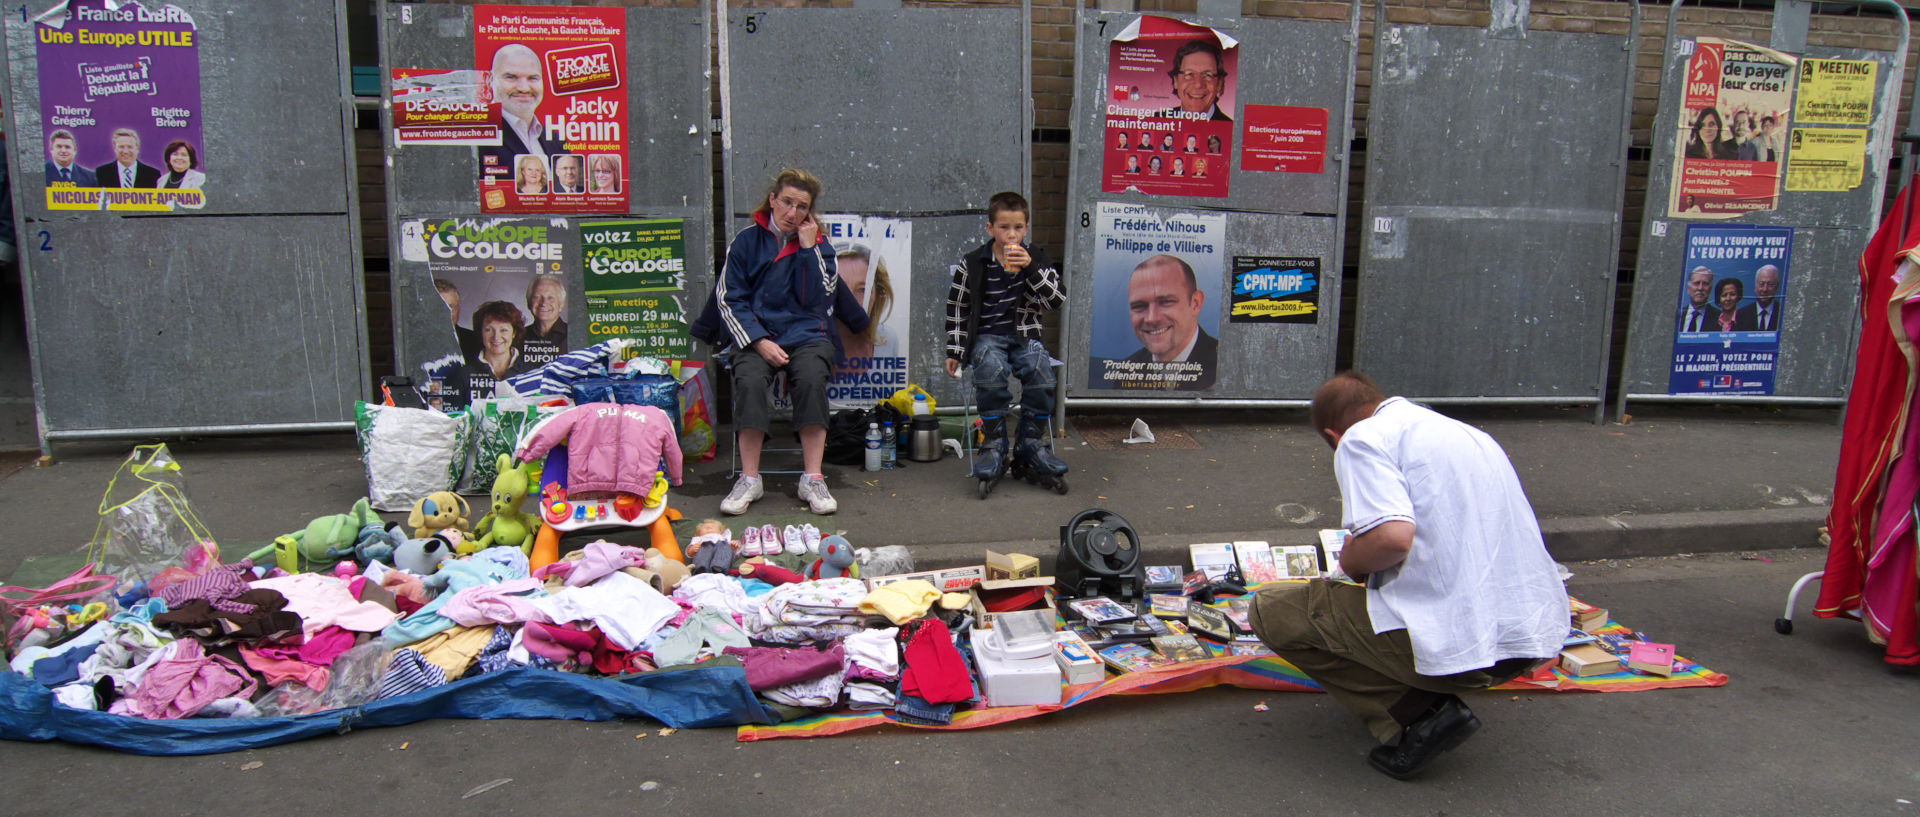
column 1698, row 270
column 62, row 133
column 1008, row 202
column 119, row 132
column 1343, row 400
column 1204, row 45
column 544, row 280
column 1185, row 268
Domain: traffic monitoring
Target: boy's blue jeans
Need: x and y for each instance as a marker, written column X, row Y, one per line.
column 994, row 357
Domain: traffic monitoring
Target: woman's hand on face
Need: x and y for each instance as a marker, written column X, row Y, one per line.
column 809, row 233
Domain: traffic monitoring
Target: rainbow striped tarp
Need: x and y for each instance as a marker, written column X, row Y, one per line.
column 1265, row 672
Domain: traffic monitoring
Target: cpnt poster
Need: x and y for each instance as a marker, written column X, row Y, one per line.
column 120, row 105
column 558, row 76
column 874, row 256
column 501, row 281
column 1169, row 119
column 1727, row 330
column 1734, row 119
column 1275, row 289
column 634, row 274
column 1156, row 305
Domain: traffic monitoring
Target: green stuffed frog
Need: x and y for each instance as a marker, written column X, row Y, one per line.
column 506, row 525
column 322, row 543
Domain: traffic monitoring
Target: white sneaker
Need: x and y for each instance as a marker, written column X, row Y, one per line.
column 796, row 544
column 814, row 491
column 746, row 489
column 812, row 536
column 750, row 546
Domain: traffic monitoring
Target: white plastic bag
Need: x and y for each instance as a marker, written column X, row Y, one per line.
column 409, row 453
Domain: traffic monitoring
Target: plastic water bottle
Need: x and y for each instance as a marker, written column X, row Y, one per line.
column 920, row 405
column 889, row 445
column 873, row 447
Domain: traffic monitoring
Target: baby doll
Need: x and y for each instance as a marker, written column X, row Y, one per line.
column 712, row 548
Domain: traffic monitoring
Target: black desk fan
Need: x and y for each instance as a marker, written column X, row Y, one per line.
column 1099, row 556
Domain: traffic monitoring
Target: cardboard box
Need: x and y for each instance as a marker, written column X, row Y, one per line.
column 1016, row 681
column 1078, row 662
column 1587, row 660
column 1011, row 566
column 951, row 580
column 984, row 619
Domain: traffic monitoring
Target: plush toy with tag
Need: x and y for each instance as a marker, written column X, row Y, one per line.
column 837, row 560
column 506, row 525
column 322, row 543
column 438, row 510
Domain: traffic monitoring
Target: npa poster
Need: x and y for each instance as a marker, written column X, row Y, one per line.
column 557, row 76
column 1827, row 159
column 874, row 256
column 1156, row 306
column 1284, row 139
column 1273, row 289
column 501, row 281
column 1727, row 329
column 441, row 107
column 1732, row 141
column 1170, row 97
column 120, row 107
column 635, row 276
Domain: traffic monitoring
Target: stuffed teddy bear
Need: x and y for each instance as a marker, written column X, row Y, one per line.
column 837, row 560
column 506, row 525
column 437, row 510
column 712, row 549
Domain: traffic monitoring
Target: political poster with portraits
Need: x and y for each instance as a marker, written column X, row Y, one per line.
column 120, row 107
column 1170, row 109
column 1732, row 297
column 1157, row 280
column 1731, row 145
column 438, row 106
column 874, row 256
column 501, row 280
column 556, row 77
column 635, row 276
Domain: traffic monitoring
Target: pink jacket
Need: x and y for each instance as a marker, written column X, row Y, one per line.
column 610, row 447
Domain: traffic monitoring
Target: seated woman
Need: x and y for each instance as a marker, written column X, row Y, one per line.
column 775, row 298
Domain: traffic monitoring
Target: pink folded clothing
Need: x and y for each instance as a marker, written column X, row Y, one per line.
column 278, row 671
column 558, row 643
column 769, row 667
column 218, row 586
column 598, row 559
column 184, row 683
column 324, row 646
column 504, row 603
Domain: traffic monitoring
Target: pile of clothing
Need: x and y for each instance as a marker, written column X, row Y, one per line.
column 238, row 640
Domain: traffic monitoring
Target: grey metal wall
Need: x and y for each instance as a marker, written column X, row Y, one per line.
column 244, row 315
column 1820, row 312
column 1281, row 62
column 909, row 113
column 669, row 156
column 1495, row 169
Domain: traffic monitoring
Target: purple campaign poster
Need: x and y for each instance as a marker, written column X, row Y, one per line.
column 120, row 108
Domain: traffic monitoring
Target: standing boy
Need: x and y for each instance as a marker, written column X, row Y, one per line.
column 1000, row 290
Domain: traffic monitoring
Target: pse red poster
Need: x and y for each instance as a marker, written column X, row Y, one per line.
column 1170, row 103
column 557, row 75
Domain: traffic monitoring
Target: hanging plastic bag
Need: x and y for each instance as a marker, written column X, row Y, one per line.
column 409, row 452
column 696, row 412
column 494, row 427
column 146, row 525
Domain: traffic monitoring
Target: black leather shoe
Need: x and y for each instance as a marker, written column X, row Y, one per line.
column 1446, row 726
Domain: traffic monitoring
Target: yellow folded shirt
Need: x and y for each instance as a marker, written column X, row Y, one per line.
column 901, row 601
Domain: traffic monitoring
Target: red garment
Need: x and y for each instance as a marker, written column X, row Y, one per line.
column 935, row 671
column 1883, row 383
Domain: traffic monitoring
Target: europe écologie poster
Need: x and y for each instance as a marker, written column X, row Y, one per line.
column 120, row 108
column 1732, row 140
column 1169, row 109
column 557, row 76
column 501, row 280
column 635, row 272
column 874, row 256
column 1732, row 309
column 1157, row 277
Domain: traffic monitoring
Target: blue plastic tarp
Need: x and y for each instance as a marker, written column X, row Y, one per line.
column 694, row 697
